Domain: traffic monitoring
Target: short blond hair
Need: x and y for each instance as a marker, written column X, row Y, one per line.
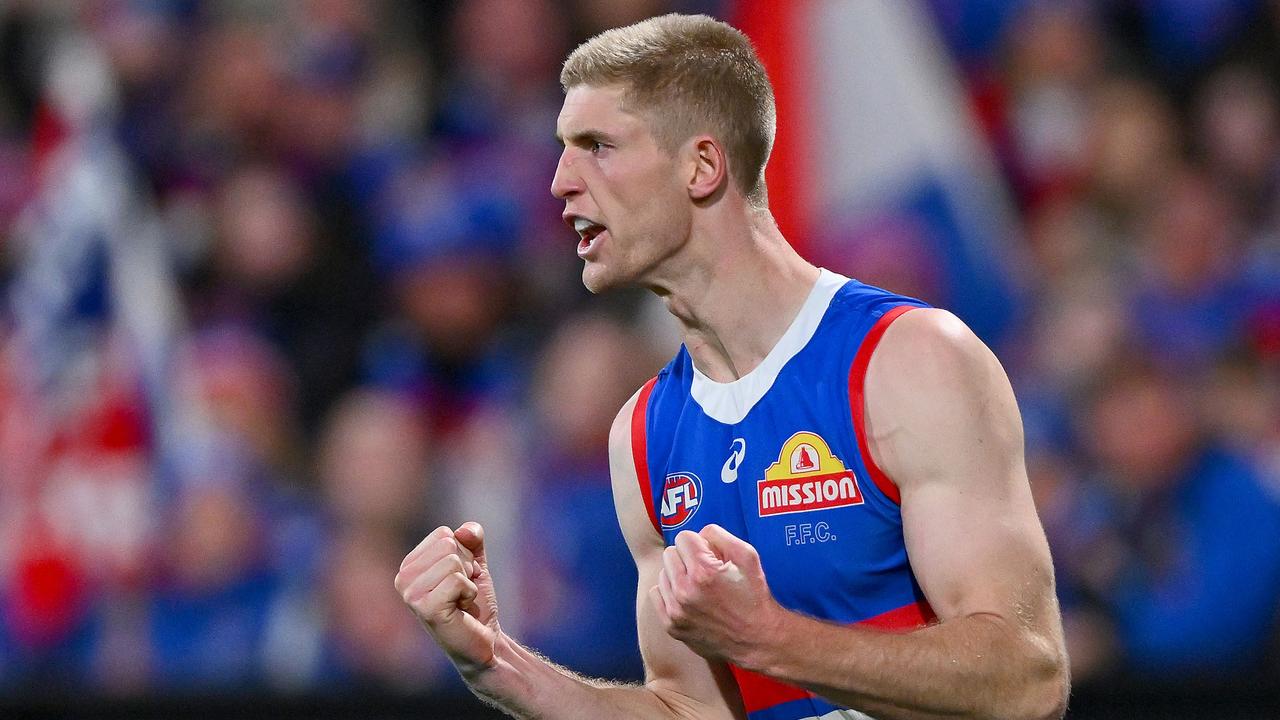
column 688, row 74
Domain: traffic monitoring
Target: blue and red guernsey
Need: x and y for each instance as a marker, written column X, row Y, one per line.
column 779, row 458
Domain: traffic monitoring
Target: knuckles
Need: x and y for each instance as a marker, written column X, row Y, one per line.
column 454, row 562
column 700, row 578
column 457, row 587
column 454, row 568
column 431, row 539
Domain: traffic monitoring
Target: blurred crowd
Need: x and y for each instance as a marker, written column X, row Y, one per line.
column 352, row 314
column 1142, row 142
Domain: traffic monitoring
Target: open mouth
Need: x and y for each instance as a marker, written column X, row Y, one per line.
column 588, row 235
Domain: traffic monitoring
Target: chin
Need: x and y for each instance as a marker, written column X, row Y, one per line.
column 598, row 279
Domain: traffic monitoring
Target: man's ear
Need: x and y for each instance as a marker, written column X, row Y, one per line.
column 710, row 167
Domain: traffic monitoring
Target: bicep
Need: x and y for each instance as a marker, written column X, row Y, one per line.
column 949, row 434
column 976, row 552
column 684, row 680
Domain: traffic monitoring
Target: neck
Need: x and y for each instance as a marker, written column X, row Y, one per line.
column 735, row 291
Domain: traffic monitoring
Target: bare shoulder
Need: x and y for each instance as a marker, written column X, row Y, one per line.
column 622, row 468
column 932, row 346
column 937, row 399
column 628, row 501
column 620, row 431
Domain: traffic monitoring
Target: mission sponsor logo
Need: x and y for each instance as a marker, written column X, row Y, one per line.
column 681, row 497
column 806, row 477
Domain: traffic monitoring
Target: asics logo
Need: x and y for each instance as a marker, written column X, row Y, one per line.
column 737, row 451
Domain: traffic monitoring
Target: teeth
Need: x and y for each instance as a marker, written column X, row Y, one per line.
column 581, row 224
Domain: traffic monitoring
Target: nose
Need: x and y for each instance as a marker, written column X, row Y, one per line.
column 566, row 182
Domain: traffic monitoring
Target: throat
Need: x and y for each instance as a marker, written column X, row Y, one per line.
column 712, row 359
column 731, row 344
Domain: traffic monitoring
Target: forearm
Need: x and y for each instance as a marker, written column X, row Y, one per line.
column 976, row 666
column 527, row 686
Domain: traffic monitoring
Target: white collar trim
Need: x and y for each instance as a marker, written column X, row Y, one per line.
column 730, row 402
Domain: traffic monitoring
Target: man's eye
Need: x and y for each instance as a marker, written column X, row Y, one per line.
column 596, row 147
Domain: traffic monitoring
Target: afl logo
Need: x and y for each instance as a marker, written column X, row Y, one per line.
column 681, row 495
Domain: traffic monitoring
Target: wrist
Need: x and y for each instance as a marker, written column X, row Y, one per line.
column 513, row 679
column 481, row 673
column 760, row 649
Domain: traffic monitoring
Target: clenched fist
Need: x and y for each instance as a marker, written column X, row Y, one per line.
column 445, row 580
column 712, row 595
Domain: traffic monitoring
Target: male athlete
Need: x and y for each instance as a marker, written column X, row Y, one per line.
column 824, row 491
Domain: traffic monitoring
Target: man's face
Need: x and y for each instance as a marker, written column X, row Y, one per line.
column 623, row 193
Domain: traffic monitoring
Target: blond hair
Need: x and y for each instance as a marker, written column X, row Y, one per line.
column 688, row 74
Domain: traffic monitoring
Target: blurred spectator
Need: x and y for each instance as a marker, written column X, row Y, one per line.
column 372, row 463
column 505, row 81
column 1054, row 59
column 1177, row 528
column 582, row 583
column 1191, row 298
column 370, row 641
column 271, row 269
column 266, row 238
column 1237, row 129
column 247, row 392
column 210, row 608
column 1132, row 147
column 447, row 250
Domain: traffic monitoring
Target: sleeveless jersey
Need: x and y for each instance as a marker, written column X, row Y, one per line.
column 779, row 458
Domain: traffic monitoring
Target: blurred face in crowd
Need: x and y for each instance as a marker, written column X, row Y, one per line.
column 588, row 370
column 236, row 82
column 1134, row 141
column 1142, row 429
column 266, row 236
column 373, row 459
column 1238, row 121
column 247, row 389
column 215, row 534
column 379, row 642
column 1186, row 236
column 457, row 305
column 491, row 39
column 623, row 193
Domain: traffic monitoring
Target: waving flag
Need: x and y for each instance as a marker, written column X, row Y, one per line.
column 879, row 169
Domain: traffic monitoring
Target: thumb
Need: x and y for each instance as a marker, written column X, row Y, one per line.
column 471, row 535
column 729, row 547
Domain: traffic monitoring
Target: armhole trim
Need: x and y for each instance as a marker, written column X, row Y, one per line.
column 857, row 399
column 640, row 447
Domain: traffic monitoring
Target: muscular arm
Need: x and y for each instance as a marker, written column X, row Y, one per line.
column 679, row 684
column 943, row 424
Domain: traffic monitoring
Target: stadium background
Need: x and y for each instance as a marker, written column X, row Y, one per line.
column 284, row 288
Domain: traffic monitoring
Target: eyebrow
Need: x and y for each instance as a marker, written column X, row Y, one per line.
column 584, row 137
